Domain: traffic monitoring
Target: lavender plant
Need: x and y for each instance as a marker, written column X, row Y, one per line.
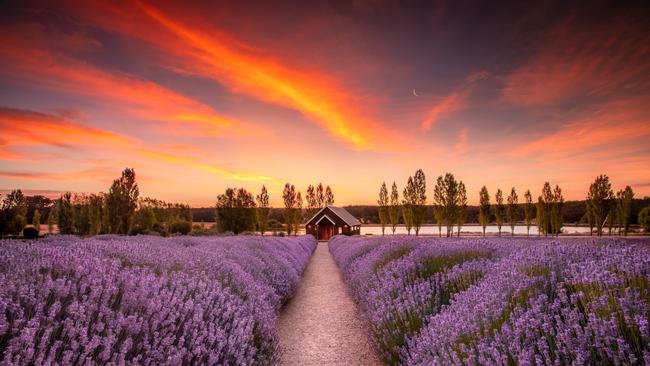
column 146, row 300
column 501, row 302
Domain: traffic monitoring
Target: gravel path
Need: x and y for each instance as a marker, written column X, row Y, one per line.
column 320, row 325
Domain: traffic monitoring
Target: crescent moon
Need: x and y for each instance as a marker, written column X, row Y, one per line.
column 415, row 94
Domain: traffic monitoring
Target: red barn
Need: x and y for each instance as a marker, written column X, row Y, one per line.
column 330, row 221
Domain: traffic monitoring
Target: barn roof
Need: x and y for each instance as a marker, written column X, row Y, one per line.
column 342, row 213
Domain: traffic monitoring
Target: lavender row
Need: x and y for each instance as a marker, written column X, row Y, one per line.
column 146, row 300
column 501, row 301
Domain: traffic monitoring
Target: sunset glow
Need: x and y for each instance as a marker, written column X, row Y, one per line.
column 197, row 98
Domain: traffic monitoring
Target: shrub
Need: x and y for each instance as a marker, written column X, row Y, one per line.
column 181, row 227
column 30, row 233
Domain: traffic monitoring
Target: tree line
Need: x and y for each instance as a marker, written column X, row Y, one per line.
column 238, row 212
column 449, row 207
column 119, row 211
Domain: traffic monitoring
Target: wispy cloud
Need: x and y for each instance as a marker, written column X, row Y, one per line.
column 212, row 53
column 576, row 62
column 29, row 61
column 27, row 128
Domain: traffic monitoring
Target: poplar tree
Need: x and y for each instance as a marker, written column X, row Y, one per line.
column 65, row 214
column 556, row 210
column 419, row 200
column 513, row 210
column 407, row 205
column 36, row 220
column 51, row 220
column 312, row 203
column 528, row 210
column 383, row 207
column 121, row 202
column 297, row 213
column 625, row 199
column 462, row 206
column 540, row 217
column 484, row 208
column 447, row 196
column 320, row 196
column 394, row 209
column 598, row 198
column 547, row 202
column 499, row 209
column 329, row 197
column 263, row 210
column 289, row 198
column 438, row 204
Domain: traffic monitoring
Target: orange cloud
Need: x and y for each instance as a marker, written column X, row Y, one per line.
column 211, row 53
column 97, row 174
column 27, row 128
column 22, row 127
column 140, row 98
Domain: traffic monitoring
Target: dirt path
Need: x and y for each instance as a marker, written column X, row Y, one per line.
column 320, row 325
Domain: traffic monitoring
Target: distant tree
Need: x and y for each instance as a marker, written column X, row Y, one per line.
column 540, row 217
column 312, row 202
column 65, row 214
column 263, row 210
column 462, row 206
column 121, row 202
column 644, row 219
column 236, row 211
column 407, row 205
column 13, row 213
column 550, row 207
column 513, row 210
column 144, row 220
column 289, row 198
column 556, row 210
column 297, row 214
column 394, row 209
column 418, row 200
column 95, row 213
column 36, row 220
column 51, row 220
column 438, row 204
column 612, row 215
column 589, row 215
column 528, row 210
column 447, row 195
column 329, row 197
column 320, row 196
column 383, row 207
column 484, row 208
column 625, row 197
column 499, row 210
column 598, row 198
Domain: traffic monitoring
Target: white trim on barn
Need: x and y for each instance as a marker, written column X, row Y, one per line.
column 325, row 217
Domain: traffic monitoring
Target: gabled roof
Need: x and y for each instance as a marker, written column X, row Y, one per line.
column 342, row 213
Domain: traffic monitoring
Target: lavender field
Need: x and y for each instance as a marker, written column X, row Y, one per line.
column 146, row 300
column 538, row 301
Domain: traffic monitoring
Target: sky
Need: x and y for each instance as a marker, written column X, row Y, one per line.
column 200, row 96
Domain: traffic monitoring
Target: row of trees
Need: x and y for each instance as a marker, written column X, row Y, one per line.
column 238, row 212
column 450, row 206
column 120, row 211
